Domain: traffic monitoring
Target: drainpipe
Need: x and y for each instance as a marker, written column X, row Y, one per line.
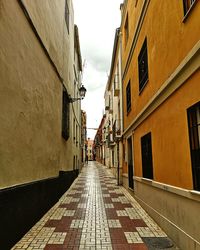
column 120, row 79
column 121, row 103
column 118, row 170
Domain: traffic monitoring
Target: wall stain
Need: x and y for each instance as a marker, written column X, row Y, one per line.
column 1, row 8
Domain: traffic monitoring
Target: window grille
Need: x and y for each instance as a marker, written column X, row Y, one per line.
column 194, row 136
column 147, row 162
column 65, row 115
column 143, row 66
column 67, row 14
column 128, row 97
column 126, row 30
column 187, row 5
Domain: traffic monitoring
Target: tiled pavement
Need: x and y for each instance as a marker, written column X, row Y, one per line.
column 95, row 213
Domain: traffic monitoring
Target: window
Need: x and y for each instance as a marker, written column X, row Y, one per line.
column 74, row 88
column 74, row 131
column 126, row 30
column 128, row 97
column 65, row 115
column 187, row 5
column 76, row 135
column 194, row 135
column 67, row 14
column 147, row 163
column 113, row 158
column 143, row 66
column 74, row 162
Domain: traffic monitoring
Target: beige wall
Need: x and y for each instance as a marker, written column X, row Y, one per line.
column 31, row 145
column 114, row 114
column 52, row 28
column 175, row 210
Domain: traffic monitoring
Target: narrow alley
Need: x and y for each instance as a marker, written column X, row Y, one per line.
column 99, row 124
column 95, row 213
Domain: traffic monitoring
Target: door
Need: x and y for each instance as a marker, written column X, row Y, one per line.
column 194, row 134
column 130, row 163
column 147, row 160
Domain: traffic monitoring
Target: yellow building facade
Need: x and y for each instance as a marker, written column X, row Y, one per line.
column 161, row 96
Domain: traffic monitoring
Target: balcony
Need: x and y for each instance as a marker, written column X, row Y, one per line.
column 110, row 142
column 110, row 106
column 117, row 130
column 107, row 104
column 116, row 85
column 116, row 92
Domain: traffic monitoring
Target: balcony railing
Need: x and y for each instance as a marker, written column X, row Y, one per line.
column 116, row 85
column 110, row 141
column 116, row 129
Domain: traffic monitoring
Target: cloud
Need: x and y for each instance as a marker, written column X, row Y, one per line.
column 98, row 59
column 93, row 78
column 97, row 21
column 94, row 106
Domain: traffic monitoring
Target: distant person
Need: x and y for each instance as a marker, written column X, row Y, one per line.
column 86, row 159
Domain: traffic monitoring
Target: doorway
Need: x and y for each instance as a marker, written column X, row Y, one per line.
column 194, row 135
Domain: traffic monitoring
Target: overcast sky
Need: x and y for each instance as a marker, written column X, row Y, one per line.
column 97, row 21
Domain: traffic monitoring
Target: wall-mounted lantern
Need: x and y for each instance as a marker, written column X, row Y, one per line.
column 82, row 92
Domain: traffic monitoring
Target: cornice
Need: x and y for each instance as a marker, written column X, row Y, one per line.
column 189, row 65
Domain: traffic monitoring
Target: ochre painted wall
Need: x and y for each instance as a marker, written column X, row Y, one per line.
column 170, row 139
column 133, row 16
column 167, row 46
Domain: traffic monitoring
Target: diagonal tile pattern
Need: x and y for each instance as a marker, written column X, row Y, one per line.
column 94, row 214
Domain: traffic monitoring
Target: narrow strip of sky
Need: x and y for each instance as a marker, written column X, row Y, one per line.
column 97, row 21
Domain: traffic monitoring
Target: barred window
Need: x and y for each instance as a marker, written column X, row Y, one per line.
column 67, row 14
column 187, row 5
column 147, row 162
column 194, row 136
column 143, row 66
column 128, row 97
column 65, row 115
column 126, row 30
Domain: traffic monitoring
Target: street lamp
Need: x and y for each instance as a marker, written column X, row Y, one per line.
column 82, row 92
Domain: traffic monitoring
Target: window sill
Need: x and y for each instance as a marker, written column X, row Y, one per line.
column 146, row 180
column 194, row 192
column 131, row 189
column 141, row 90
column 128, row 112
column 190, row 194
column 189, row 11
